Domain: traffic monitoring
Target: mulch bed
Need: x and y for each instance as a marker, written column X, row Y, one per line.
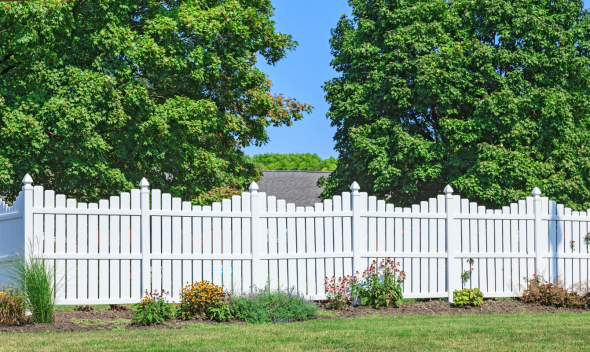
column 115, row 320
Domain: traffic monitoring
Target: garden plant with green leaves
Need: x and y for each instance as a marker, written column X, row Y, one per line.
column 95, row 95
column 490, row 97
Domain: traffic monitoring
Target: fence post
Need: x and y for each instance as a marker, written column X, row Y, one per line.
column 355, row 200
column 254, row 233
column 27, row 209
column 145, row 237
column 540, row 235
column 452, row 269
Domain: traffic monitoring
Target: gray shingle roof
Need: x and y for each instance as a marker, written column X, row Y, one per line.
column 299, row 187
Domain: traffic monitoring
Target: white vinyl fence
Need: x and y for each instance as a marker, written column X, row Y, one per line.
column 114, row 250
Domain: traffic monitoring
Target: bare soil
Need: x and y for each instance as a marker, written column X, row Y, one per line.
column 121, row 320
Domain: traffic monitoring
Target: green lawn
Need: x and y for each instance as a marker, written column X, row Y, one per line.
column 522, row 332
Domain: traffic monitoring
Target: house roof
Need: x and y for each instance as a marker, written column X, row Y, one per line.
column 299, row 187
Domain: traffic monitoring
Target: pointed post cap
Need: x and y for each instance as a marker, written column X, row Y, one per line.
column 27, row 180
column 144, row 184
column 253, row 187
column 448, row 190
column 536, row 192
column 355, row 187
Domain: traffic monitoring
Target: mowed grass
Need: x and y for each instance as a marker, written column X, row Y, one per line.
column 521, row 332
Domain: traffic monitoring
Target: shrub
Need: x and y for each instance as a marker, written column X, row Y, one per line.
column 204, row 298
column 467, row 297
column 85, row 308
column 117, row 307
column 380, row 284
column 35, row 276
column 338, row 291
column 272, row 306
column 541, row 292
column 153, row 309
column 12, row 306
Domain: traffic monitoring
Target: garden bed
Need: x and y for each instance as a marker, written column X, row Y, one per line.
column 67, row 321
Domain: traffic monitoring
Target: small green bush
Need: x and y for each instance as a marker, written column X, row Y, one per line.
column 153, row 309
column 467, row 297
column 12, row 305
column 272, row 306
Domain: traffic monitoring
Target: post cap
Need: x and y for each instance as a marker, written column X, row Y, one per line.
column 536, row 192
column 448, row 190
column 27, row 180
column 355, row 187
column 144, row 183
column 253, row 187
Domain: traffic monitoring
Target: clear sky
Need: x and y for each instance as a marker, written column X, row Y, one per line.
column 303, row 72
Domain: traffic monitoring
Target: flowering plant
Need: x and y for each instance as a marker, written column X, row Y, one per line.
column 338, row 291
column 204, row 298
column 153, row 309
column 572, row 244
column 380, row 284
column 587, row 239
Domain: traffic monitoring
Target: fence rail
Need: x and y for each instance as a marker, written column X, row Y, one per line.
column 114, row 250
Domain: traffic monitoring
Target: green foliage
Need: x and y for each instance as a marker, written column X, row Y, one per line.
column 272, row 306
column 294, row 161
column 467, row 297
column 153, row 309
column 95, row 95
column 35, row 276
column 220, row 311
column 12, row 305
column 491, row 97
column 380, row 284
column 217, row 194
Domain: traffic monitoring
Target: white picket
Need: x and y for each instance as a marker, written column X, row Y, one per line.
column 125, row 246
column 217, row 245
column 187, row 240
column 114, row 240
column 156, row 241
column 82, row 285
column 292, row 243
column 273, row 265
column 236, row 246
column 167, row 245
column 282, row 245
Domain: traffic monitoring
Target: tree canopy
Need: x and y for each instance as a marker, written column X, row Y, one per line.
column 95, row 95
column 491, row 97
column 294, row 161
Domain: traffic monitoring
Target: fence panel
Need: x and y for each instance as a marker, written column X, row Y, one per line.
column 98, row 251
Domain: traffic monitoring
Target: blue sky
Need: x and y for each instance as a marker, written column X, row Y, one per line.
column 303, row 72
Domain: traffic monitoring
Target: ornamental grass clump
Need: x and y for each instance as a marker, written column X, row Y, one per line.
column 154, row 308
column 205, row 298
column 272, row 306
column 35, row 276
column 12, row 306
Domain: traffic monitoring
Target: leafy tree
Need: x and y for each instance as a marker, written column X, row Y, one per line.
column 96, row 95
column 294, row 161
column 488, row 96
